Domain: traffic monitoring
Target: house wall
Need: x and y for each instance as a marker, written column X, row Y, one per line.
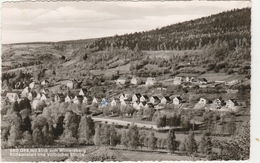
column 176, row 101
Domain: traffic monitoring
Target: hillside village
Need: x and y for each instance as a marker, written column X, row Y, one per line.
column 37, row 92
column 163, row 89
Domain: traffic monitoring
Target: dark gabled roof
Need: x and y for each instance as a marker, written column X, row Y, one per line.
column 150, row 105
column 156, row 98
column 143, row 103
column 233, row 100
column 84, row 90
column 138, row 95
column 123, row 94
column 145, row 96
column 79, row 96
column 203, row 79
column 179, row 98
column 167, row 98
column 45, row 81
column 126, row 101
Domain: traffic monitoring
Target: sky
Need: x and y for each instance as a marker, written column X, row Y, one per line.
column 57, row 21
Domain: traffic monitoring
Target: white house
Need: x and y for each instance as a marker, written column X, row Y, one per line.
column 43, row 97
column 67, row 99
column 25, row 92
column 218, row 102
column 45, row 82
column 177, row 101
column 144, row 98
column 38, row 96
column 34, row 104
column 95, row 100
column 202, row 101
column 149, row 105
column 136, row 97
column 150, row 81
column 83, row 92
column 177, row 80
column 135, row 80
column 135, row 104
column 11, row 96
column 187, row 79
column 114, row 102
column 203, row 81
column 30, row 96
column 75, row 100
column 231, row 103
column 70, row 84
column 165, row 100
column 123, row 96
column 141, row 105
column 121, row 81
column 155, row 100
column 32, row 85
column 85, row 100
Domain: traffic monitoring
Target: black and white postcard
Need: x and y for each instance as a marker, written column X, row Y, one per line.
column 126, row 81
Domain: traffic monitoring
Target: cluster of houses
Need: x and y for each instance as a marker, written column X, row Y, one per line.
column 219, row 104
column 137, row 101
column 151, row 81
column 136, row 81
column 28, row 91
column 177, row 80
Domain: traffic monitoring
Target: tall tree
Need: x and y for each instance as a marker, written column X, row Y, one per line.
column 237, row 148
column 114, row 138
column 97, row 136
column 86, row 130
column 124, row 139
column 152, row 141
column 171, row 142
column 205, row 145
column 133, row 136
column 15, row 131
column 16, row 107
column 38, row 137
column 105, row 134
column 27, row 124
column 47, row 135
column 161, row 121
column 190, row 144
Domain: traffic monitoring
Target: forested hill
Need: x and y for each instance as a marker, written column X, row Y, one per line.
column 233, row 27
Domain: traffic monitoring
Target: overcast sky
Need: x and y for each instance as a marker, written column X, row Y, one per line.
column 56, row 21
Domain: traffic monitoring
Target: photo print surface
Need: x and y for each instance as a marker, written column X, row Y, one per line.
column 125, row 81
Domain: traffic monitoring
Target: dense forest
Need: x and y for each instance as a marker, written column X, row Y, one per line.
column 219, row 43
column 230, row 26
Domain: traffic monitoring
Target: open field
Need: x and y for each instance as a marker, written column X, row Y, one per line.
column 128, row 120
column 170, row 53
column 153, row 156
column 126, row 123
column 214, row 76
